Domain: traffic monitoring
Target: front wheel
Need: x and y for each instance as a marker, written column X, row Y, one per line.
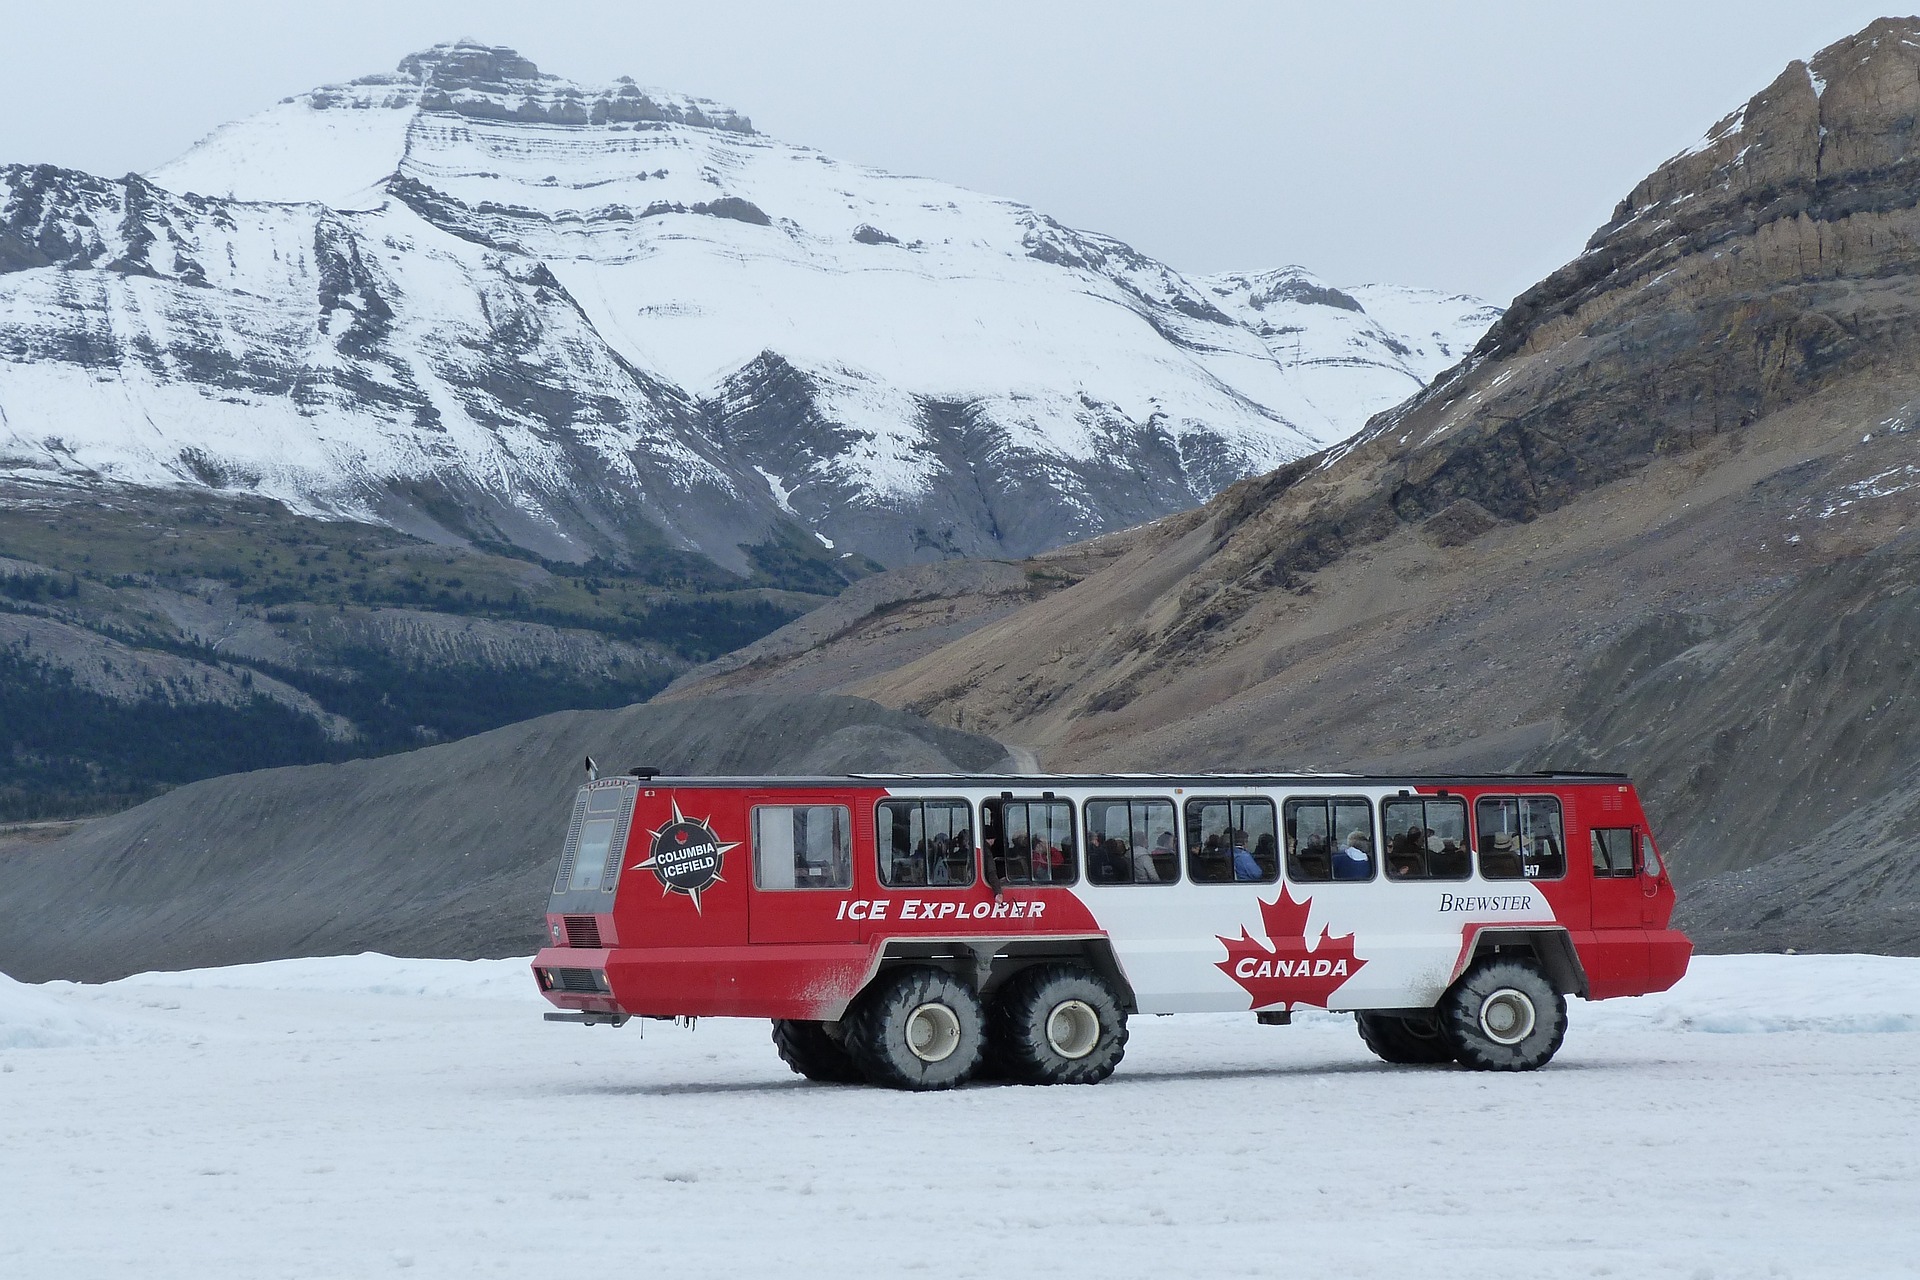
column 1408, row 1040
column 917, row 1029
column 1058, row 1024
column 1503, row 1015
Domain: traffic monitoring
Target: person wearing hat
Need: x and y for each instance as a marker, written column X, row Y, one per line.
column 1445, row 858
column 1500, row 859
column 1354, row 859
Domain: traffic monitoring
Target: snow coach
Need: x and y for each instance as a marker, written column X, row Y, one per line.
column 918, row 931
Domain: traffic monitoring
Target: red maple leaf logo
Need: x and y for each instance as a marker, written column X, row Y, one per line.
column 1290, row 973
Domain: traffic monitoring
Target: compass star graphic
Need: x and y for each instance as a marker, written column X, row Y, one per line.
column 686, row 856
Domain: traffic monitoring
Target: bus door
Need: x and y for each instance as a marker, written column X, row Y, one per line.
column 803, row 858
column 1622, row 903
column 1626, row 877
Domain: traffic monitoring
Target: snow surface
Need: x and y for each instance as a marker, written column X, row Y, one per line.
column 369, row 1116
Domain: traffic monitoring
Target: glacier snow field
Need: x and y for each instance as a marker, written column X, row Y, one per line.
column 366, row 1116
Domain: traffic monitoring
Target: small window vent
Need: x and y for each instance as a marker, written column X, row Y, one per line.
column 582, row 931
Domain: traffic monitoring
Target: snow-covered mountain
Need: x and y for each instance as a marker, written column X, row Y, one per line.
column 484, row 303
column 1352, row 352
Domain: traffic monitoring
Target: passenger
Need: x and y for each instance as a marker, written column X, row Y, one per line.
column 1354, row 861
column 960, row 857
column 1102, row 865
column 1265, row 857
column 1500, row 860
column 1244, row 867
column 1407, row 857
column 1166, row 856
column 1209, row 859
column 1406, row 860
column 1040, row 858
column 1316, row 859
column 1144, row 870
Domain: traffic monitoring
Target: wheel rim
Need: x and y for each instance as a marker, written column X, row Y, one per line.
column 933, row 1032
column 1073, row 1029
column 1507, row 1016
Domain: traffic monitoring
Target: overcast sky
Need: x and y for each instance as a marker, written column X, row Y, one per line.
column 1460, row 146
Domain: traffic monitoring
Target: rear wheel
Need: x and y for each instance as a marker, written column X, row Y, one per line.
column 1503, row 1015
column 916, row 1029
column 1408, row 1040
column 811, row 1052
column 1057, row 1024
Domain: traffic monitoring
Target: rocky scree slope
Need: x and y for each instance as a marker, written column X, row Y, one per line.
column 1659, row 520
column 445, row 851
column 484, row 304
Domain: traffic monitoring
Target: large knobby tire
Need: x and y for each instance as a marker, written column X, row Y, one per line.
column 811, row 1052
column 1407, row 1040
column 1503, row 1015
column 1057, row 1024
column 916, row 1029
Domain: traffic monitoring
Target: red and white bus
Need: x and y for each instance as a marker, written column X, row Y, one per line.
column 917, row 931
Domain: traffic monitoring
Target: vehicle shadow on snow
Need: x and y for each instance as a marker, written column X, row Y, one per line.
column 1315, row 1069
column 1124, row 1076
column 690, row 1088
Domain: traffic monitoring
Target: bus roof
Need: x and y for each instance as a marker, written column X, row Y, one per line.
column 1029, row 781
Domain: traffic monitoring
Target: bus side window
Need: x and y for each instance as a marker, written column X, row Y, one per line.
column 1231, row 840
column 1521, row 839
column 1131, row 842
column 1543, row 839
column 1612, row 851
column 1030, row 841
column 806, row 846
column 1498, row 823
column 925, row 842
column 1329, row 839
column 1426, row 838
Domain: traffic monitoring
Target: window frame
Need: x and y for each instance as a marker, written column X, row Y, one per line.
column 881, row 860
column 1074, row 830
column 1376, row 864
column 753, row 847
column 1466, row 834
column 1522, row 828
column 1179, row 838
column 1185, row 814
column 1633, row 853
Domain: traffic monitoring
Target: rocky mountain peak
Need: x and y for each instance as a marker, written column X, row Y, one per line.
column 494, row 82
column 1811, row 163
column 467, row 64
column 1283, row 284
